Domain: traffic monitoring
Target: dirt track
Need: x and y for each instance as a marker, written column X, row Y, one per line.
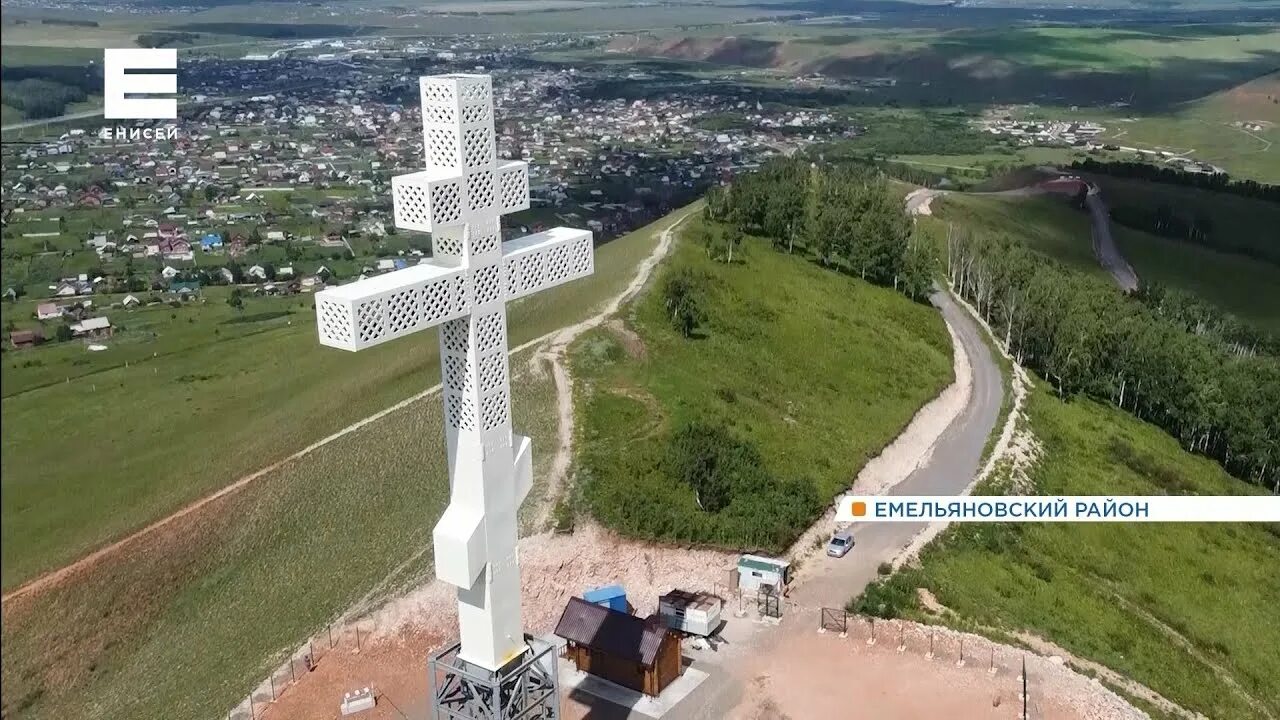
column 555, row 353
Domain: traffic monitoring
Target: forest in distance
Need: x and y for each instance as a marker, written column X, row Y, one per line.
column 1207, row 379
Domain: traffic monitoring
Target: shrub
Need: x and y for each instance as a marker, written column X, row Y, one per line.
column 886, row 598
column 684, row 296
column 710, row 460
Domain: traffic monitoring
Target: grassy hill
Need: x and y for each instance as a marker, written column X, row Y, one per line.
column 1186, row 609
column 1238, row 284
column 1235, row 224
column 814, row 370
column 249, row 577
column 214, row 404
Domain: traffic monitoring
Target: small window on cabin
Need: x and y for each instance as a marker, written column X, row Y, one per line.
column 756, row 573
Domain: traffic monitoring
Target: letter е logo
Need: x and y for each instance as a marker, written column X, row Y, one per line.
column 116, row 83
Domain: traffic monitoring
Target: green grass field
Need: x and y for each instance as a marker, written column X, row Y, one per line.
column 1241, row 225
column 1240, row 285
column 1247, row 288
column 250, row 577
column 226, row 404
column 1177, row 607
column 818, row 370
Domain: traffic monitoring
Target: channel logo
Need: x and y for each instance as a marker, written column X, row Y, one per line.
column 118, row 83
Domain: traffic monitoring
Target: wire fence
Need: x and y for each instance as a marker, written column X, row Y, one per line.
column 303, row 660
column 1006, row 665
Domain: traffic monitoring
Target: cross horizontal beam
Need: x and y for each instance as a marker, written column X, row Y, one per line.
column 369, row 312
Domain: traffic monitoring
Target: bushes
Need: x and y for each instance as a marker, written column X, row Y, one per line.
column 712, row 462
column 708, row 486
column 684, row 296
column 889, row 597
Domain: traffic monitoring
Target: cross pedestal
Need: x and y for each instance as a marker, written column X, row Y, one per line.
column 464, row 289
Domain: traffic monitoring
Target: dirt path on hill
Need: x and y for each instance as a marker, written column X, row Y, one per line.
column 560, row 340
column 555, row 355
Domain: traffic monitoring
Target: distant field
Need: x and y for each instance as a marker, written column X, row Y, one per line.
column 1247, row 288
column 1155, row 66
column 1125, row 595
column 816, row 369
column 1210, row 128
column 221, row 401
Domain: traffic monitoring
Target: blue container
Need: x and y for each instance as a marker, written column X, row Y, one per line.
column 610, row 596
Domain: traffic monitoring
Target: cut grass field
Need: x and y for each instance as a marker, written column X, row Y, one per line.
column 1185, row 609
column 209, row 409
column 1247, row 288
column 816, row 369
column 186, row 620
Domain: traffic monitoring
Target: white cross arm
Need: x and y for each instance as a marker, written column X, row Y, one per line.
column 359, row 315
column 442, row 197
column 546, row 259
column 458, row 538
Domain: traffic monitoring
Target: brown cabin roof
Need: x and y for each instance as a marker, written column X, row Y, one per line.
column 611, row 632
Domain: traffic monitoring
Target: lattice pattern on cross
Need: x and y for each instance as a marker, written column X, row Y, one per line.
column 459, row 198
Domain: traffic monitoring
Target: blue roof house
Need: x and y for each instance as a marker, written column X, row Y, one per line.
column 211, row 241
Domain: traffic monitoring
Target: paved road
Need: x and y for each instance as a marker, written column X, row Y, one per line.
column 831, row 582
column 953, row 464
column 1104, row 246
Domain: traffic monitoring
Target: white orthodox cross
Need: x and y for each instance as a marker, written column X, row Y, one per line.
column 464, row 289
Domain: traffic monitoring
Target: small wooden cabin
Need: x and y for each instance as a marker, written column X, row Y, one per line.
column 635, row 653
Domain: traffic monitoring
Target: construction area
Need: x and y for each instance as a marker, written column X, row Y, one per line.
column 755, row 667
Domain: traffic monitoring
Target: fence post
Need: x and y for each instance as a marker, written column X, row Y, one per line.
column 844, row 624
column 992, row 669
column 293, row 674
column 273, row 686
column 902, row 639
column 1024, row 686
column 253, row 714
column 929, row 656
column 330, row 637
column 872, row 640
column 357, row 637
column 960, row 662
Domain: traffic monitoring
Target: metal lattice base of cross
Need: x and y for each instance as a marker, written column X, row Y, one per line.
column 527, row 689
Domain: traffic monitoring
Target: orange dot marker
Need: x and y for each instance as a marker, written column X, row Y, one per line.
column 859, row 508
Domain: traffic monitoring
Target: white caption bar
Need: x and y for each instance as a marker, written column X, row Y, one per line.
column 1038, row 508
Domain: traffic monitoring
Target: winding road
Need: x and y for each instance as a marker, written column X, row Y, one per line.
column 953, row 462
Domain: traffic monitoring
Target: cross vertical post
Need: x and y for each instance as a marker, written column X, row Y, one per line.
column 463, row 289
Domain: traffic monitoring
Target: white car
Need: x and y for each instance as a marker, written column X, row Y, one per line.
column 840, row 544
